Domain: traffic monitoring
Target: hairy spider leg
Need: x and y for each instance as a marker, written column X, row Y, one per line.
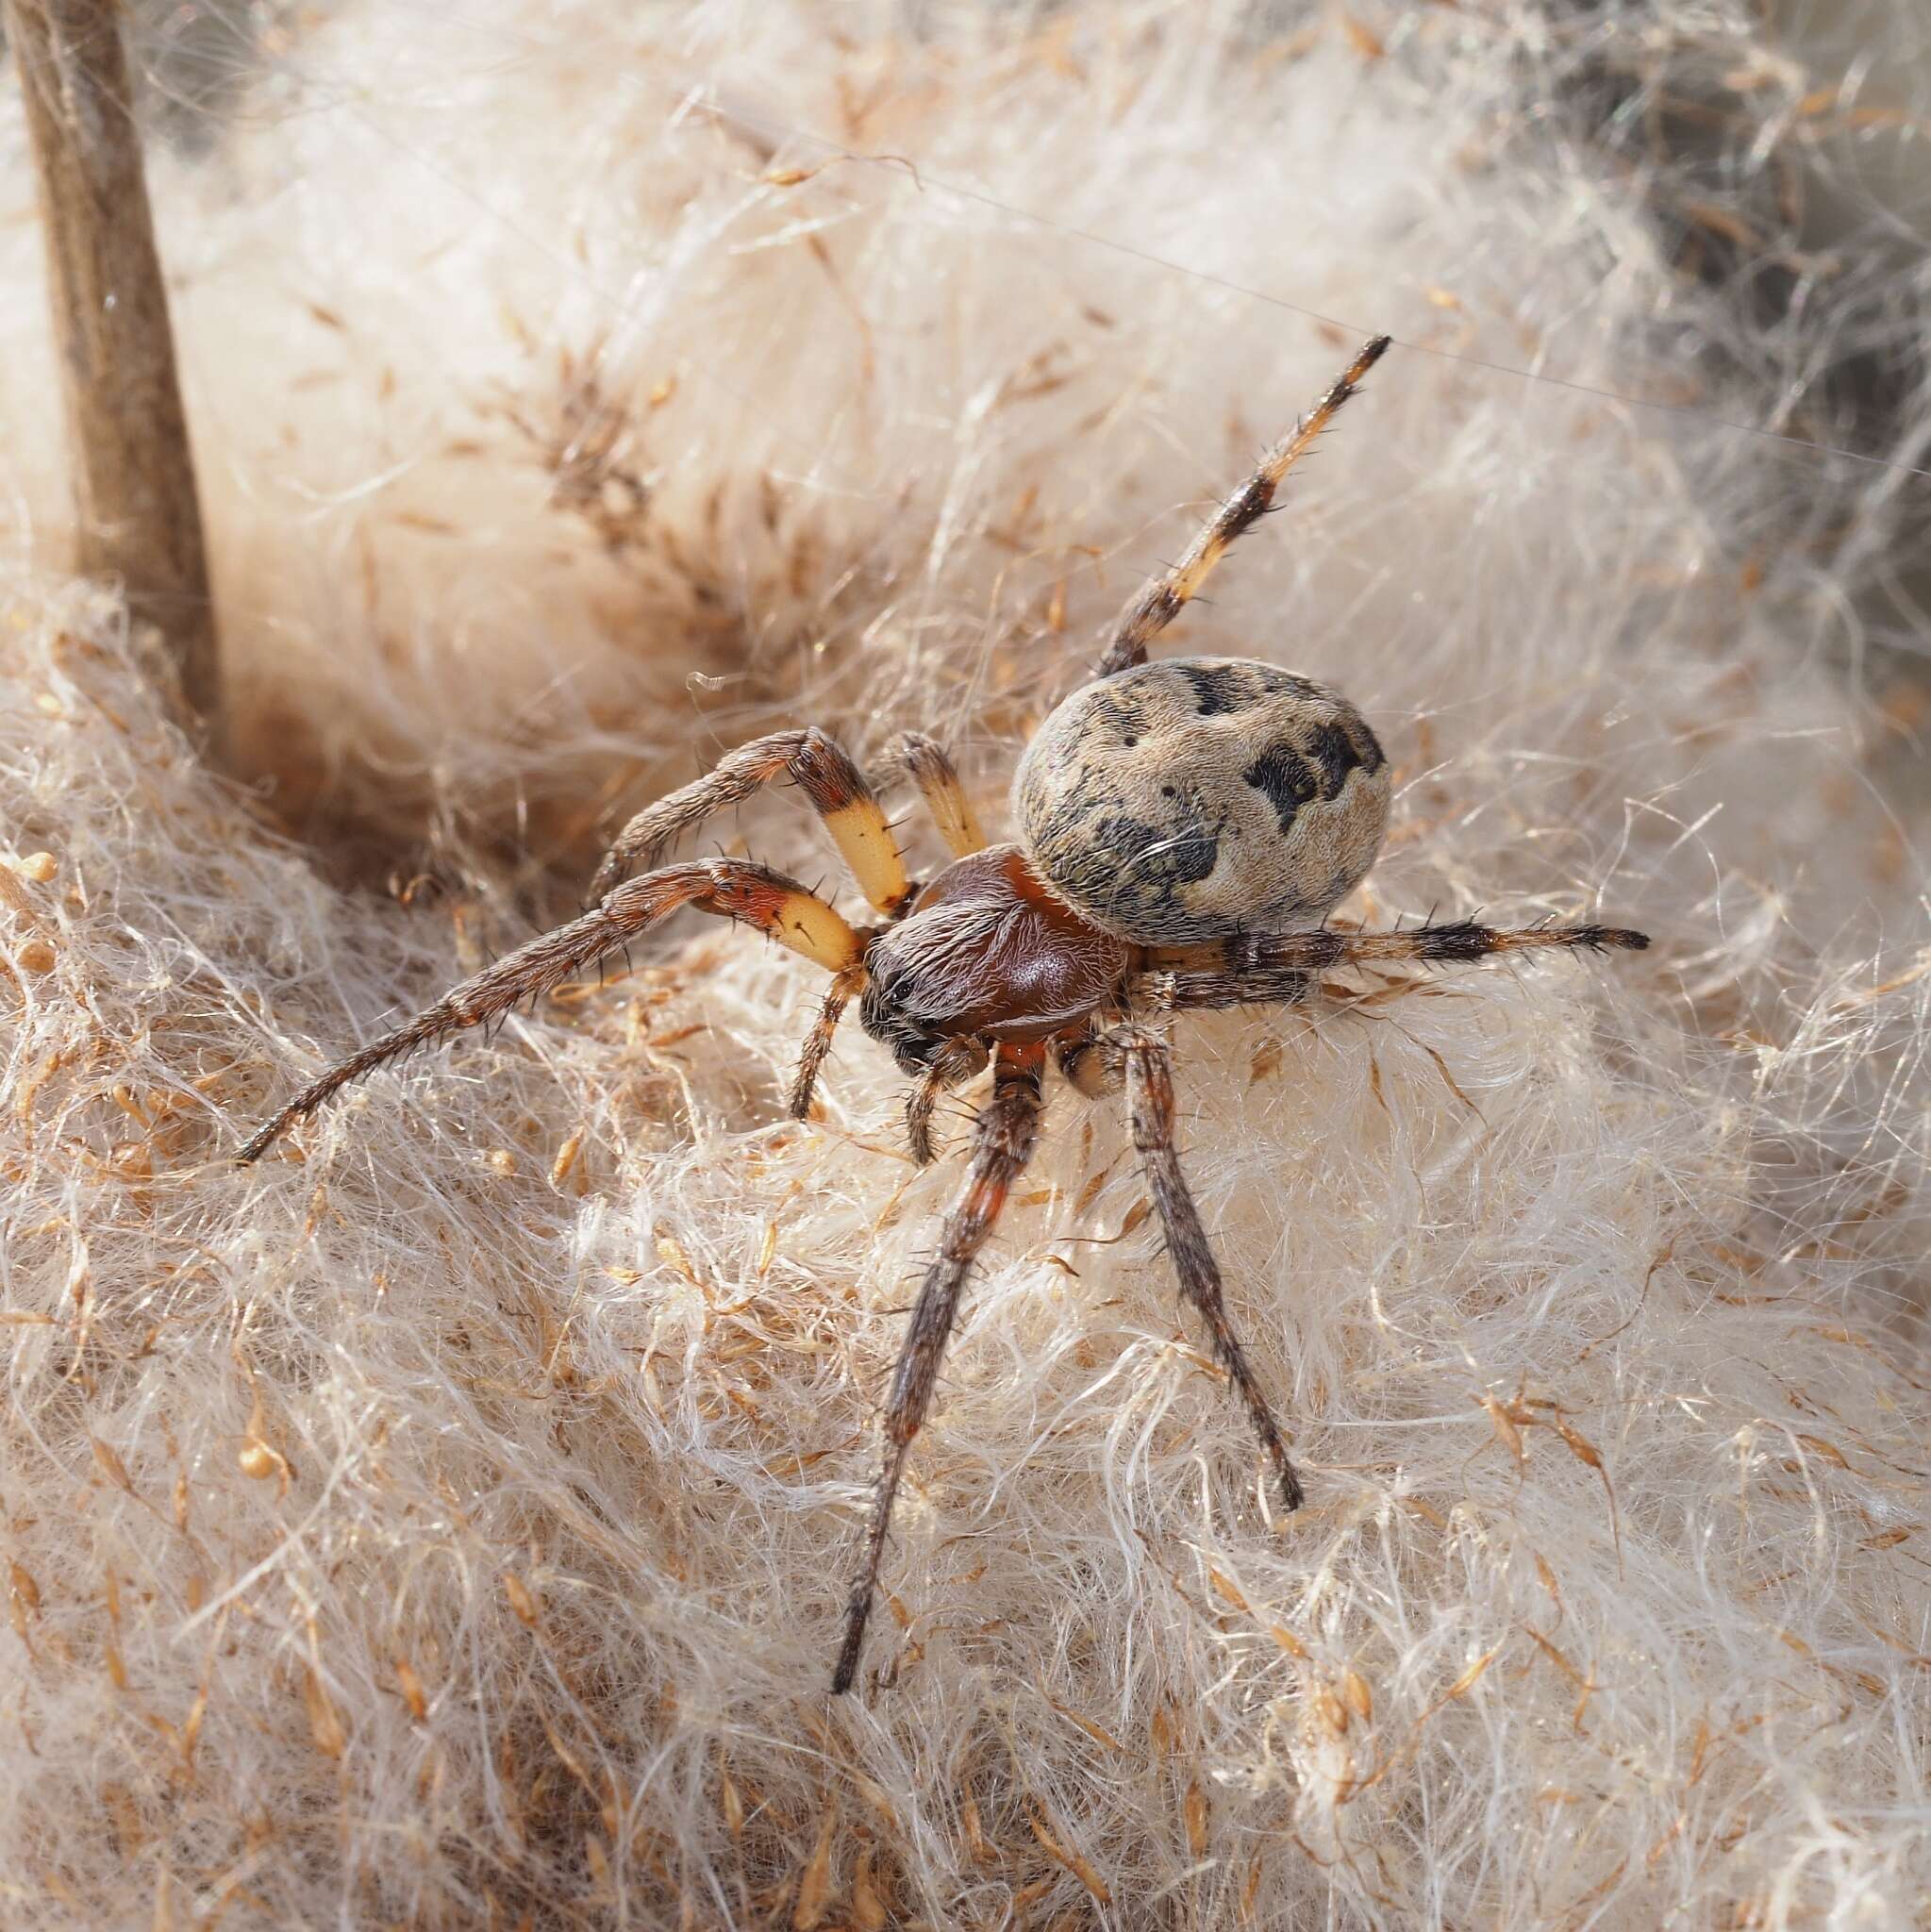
column 731, row 888
column 1176, row 992
column 1150, row 1098
column 817, row 1047
column 955, row 1063
column 1163, row 597
column 928, row 1090
column 938, row 780
column 1263, row 967
column 830, row 781
column 1003, row 1144
column 1087, row 1066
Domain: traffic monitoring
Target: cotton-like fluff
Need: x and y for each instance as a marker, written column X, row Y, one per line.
column 447, row 1522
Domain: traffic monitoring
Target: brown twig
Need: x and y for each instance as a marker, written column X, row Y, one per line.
column 136, row 504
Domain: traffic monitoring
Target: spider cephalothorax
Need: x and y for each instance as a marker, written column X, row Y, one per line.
column 1183, row 829
column 988, row 952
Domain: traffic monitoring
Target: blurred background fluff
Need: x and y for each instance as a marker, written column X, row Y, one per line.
column 446, row 1524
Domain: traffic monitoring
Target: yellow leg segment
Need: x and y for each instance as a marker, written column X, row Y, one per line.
column 834, row 787
column 732, row 888
column 938, row 785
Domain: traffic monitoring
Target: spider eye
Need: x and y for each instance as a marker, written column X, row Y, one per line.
column 914, row 1042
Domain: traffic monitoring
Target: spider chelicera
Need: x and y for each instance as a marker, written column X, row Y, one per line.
column 1184, row 829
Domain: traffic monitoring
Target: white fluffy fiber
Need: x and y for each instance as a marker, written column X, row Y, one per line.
column 446, row 1523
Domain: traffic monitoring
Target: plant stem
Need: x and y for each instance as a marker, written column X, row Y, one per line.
column 137, row 510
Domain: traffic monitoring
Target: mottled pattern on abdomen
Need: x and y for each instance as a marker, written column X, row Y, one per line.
column 1200, row 796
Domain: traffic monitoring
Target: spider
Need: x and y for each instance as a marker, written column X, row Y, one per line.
column 1184, row 829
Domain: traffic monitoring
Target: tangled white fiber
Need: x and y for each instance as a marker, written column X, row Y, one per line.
column 446, row 1523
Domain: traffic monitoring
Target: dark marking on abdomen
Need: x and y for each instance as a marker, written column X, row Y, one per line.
column 1336, row 755
column 1146, row 850
column 1123, row 723
column 1367, row 747
column 1287, row 779
column 1219, row 687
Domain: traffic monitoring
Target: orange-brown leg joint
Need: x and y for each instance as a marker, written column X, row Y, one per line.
column 733, row 888
column 834, row 786
column 841, row 798
column 783, row 909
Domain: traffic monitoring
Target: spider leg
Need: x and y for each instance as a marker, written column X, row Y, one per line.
column 834, row 787
column 1089, row 1064
column 1160, row 601
column 1003, row 1144
column 919, row 1103
column 938, row 780
column 956, row 1062
column 1149, row 1087
column 733, row 888
column 1169, row 992
column 817, row 1045
column 1252, row 959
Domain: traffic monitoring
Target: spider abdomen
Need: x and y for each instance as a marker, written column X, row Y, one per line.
column 1199, row 797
